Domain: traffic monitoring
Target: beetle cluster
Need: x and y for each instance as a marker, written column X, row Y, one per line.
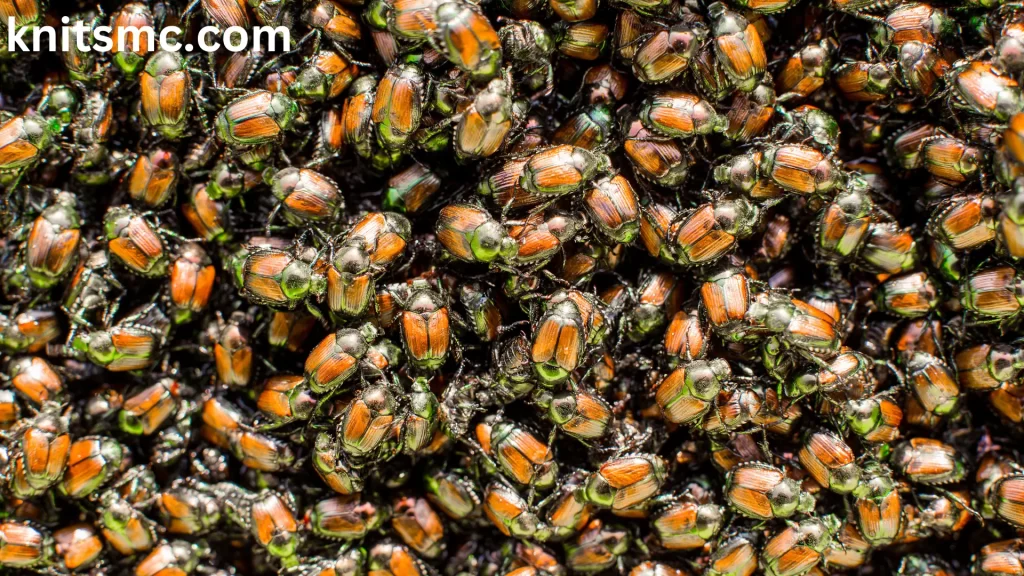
column 525, row 288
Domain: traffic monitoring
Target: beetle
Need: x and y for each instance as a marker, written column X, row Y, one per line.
column 52, row 245
column 306, row 197
column 282, row 278
column 761, row 491
column 93, row 461
column 149, row 408
column 285, row 398
column 192, row 277
column 78, row 545
column 124, row 527
column 738, row 47
column 981, row 88
column 268, row 516
column 686, row 522
column 875, row 419
column 177, row 555
column 188, row 508
column 153, row 178
column 36, row 380
column 165, row 85
column 254, row 119
column 336, row 358
column 135, row 243
column 689, row 391
column 40, row 455
column 928, row 461
column 511, row 514
column 332, row 464
column 994, row 294
column 667, row 53
column 598, row 547
column 418, row 525
column 132, row 343
column 625, row 481
column 23, row 546
column 208, row 217
column 453, row 492
column 323, row 77
column 345, row 517
column 798, row 548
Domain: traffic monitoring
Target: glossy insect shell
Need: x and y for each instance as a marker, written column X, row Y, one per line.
column 687, row 524
column 398, row 106
column 52, row 244
column 275, row 277
column 1001, row 558
column 660, row 160
column 522, row 456
column 738, row 47
column 736, row 556
column 558, row 342
column 345, row 517
column 561, row 170
column 144, row 412
column 927, row 461
column 307, row 196
column 693, row 239
column 335, row 359
column 424, row 323
column 982, row 88
column 78, row 545
column 988, row 366
column 44, row 448
column 993, row 292
column 465, row 36
column 680, row 115
column 153, row 178
column 689, row 391
column 911, row 295
column 208, row 217
column 410, row 189
column 865, row 81
column 597, row 547
column 625, row 481
column 166, row 94
column 367, row 420
column 800, row 169
column 192, row 277
column 666, row 54
column 24, row 546
column 453, row 493
column 418, row 525
column 35, row 380
column 335, row 21
column 509, row 512
column 471, row 234
column 273, row 525
column 760, row 491
column 324, row 77
column 796, row 549
column 285, row 398
column 124, row 527
column 888, row 249
column 725, row 299
column 830, row 461
column 255, row 119
column 187, row 511
column 92, row 462
column 133, row 243
column 583, row 415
